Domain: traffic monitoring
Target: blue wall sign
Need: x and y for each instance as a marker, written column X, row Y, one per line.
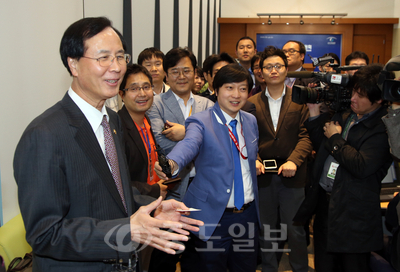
column 316, row 44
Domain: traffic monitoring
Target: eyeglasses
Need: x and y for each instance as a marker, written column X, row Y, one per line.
column 136, row 89
column 176, row 72
column 277, row 67
column 106, row 61
column 291, row 51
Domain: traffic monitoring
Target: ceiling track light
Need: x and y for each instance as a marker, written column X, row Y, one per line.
column 333, row 22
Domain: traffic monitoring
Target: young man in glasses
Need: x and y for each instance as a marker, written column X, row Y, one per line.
column 284, row 143
column 168, row 115
column 136, row 91
column 295, row 52
column 170, row 110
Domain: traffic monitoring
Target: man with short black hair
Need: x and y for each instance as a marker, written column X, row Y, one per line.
column 352, row 159
column 356, row 58
column 223, row 142
column 211, row 65
column 245, row 50
column 285, row 141
column 295, row 52
column 152, row 59
column 168, row 115
column 326, row 68
column 170, row 110
column 137, row 94
column 257, row 71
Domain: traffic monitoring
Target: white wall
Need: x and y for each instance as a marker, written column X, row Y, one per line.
column 354, row 8
column 143, row 24
column 32, row 75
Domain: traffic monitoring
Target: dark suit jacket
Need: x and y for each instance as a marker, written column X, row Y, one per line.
column 68, row 199
column 207, row 141
column 136, row 155
column 290, row 142
column 249, row 107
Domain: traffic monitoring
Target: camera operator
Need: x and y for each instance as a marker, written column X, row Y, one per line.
column 392, row 122
column 352, row 158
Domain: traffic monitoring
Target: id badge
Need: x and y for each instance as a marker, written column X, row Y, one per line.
column 332, row 170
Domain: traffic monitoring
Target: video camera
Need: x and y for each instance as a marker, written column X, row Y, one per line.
column 390, row 88
column 335, row 93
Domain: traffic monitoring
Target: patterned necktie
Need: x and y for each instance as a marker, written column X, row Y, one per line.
column 238, row 179
column 111, row 155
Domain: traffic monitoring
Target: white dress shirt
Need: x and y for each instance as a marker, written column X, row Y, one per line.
column 94, row 117
column 275, row 106
column 186, row 111
column 244, row 163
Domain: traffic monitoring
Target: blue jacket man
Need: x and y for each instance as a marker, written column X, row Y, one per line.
column 228, row 238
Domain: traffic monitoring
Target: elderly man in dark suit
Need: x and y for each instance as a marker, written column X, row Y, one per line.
column 73, row 183
column 284, row 139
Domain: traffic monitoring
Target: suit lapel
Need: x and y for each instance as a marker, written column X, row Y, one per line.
column 87, row 140
column 197, row 107
column 263, row 100
column 173, row 105
column 221, row 129
column 286, row 100
column 134, row 134
column 247, row 130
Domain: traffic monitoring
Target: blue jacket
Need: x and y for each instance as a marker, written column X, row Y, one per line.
column 207, row 142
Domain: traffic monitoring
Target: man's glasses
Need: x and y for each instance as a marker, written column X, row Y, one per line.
column 136, row 89
column 176, row 72
column 277, row 67
column 291, row 51
column 106, row 61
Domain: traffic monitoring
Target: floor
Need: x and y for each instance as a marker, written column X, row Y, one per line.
column 284, row 265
